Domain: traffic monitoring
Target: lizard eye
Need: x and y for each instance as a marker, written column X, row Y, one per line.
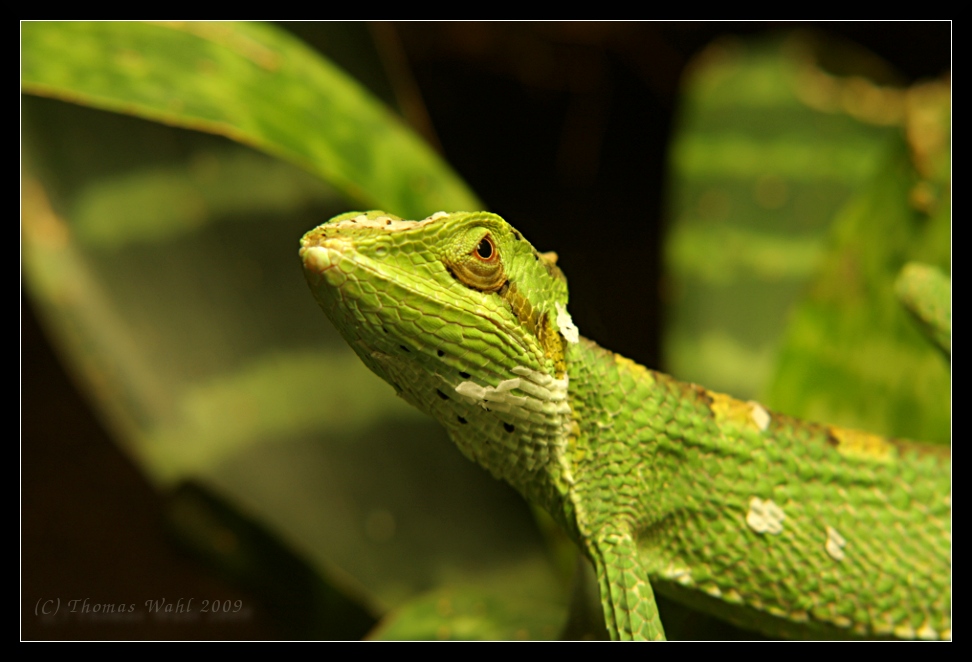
column 481, row 268
column 485, row 250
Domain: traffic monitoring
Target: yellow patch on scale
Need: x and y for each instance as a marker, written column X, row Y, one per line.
column 904, row 631
column 799, row 616
column 538, row 324
column 640, row 372
column 727, row 409
column 733, row 596
column 854, row 443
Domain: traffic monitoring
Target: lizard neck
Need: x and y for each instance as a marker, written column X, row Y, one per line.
column 611, row 398
column 591, row 443
column 626, row 460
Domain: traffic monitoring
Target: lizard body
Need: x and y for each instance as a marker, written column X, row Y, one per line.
column 793, row 528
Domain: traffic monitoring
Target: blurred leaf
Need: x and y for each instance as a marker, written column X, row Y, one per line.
column 763, row 157
column 509, row 607
column 157, row 204
column 927, row 294
column 829, row 188
column 852, row 356
column 246, row 553
column 250, row 82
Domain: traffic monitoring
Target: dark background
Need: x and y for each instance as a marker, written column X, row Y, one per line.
column 561, row 128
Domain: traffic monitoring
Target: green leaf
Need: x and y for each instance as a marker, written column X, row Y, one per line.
column 252, row 83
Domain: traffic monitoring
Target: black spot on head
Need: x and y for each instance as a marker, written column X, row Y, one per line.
column 462, row 420
column 508, row 427
column 388, row 222
column 405, row 348
column 440, row 352
column 384, row 329
column 516, row 235
column 442, row 395
column 465, row 375
column 536, row 256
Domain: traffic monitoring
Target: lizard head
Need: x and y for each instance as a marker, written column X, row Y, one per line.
column 460, row 314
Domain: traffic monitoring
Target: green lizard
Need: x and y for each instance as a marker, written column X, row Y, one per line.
column 793, row 528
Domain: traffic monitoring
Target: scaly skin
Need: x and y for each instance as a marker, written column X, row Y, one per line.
column 793, row 528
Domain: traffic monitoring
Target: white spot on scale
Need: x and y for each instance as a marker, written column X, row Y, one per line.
column 835, row 544
column 568, row 329
column 759, row 415
column 678, row 574
column 544, row 404
column 383, row 223
column 541, row 378
column 544, row 395
column 765, row 516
